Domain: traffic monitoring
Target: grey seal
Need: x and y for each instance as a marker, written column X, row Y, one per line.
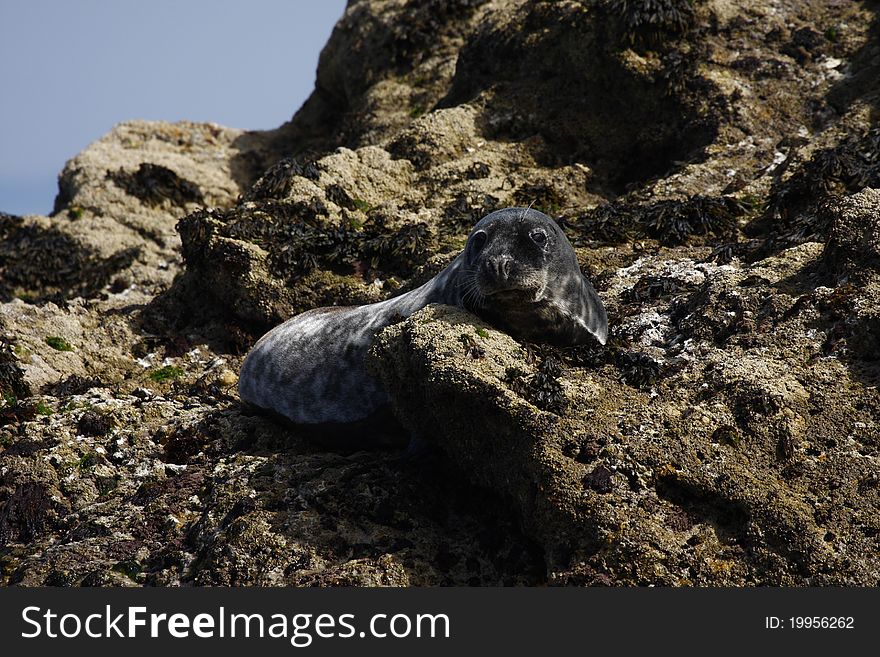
column 517, row 271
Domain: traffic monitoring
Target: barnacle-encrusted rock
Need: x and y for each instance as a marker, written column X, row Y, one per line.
column 854, row 243
column 711, row 475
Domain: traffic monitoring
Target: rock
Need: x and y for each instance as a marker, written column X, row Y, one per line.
column 661, row 500
column 853, row 246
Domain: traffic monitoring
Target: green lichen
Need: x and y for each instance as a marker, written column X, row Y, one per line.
column 360, row 204
column 355, row 224
column 87, row 460
column 74, row 405
column 166, row 373
column 43, row 409
column 59, row 344
column 483, row 333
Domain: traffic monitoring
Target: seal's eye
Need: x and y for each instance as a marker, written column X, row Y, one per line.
column 479, row 240
column 539, row 237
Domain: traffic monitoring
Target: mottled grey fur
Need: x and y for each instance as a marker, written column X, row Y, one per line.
column 517, row 271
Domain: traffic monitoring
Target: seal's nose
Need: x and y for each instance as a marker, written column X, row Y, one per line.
column 498, row 267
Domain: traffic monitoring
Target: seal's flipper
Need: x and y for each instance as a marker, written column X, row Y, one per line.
column 582, row 305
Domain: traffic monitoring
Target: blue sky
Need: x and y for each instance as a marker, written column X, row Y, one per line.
column 70, row 70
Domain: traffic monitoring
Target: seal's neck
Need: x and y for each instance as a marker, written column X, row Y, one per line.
column 443, row 288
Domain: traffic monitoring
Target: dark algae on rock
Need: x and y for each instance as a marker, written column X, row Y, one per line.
column 715, row 166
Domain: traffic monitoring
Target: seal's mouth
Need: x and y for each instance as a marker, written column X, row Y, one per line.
column 492, row 283
column 509, row 293
column 481, row 288
column 512, row 292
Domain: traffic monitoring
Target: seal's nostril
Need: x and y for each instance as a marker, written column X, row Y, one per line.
column 497, row 268
column 500, row 265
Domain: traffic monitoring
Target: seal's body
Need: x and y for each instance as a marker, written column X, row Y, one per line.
column 517, row 271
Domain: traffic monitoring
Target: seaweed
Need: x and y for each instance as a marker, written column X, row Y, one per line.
column 678, row 68
column 805, row 44
column 401, row 250
column 656, row 287
column 153, row 184
column 15, row 411
column 649, row 22
column 540, row 196
column 92, row 423
column 723, row 254
column 637, row 369
column 599, row 480
column 471, row 347
column 336, row 194
column 45, row 264
column 12, row 383
column 477, row 170
column 543, row 388
column 275, row 182
column 671, row 222
column 794, row 211
column 419, row 26
column 609, row 223
column 465, row 211
column 304, row 246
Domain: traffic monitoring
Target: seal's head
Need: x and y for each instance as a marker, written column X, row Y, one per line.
column 521, row 273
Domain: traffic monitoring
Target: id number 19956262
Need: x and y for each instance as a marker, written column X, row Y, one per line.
column 810, row 623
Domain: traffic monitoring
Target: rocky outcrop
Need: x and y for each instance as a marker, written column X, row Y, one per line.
column 714, row 164
column 727, row 449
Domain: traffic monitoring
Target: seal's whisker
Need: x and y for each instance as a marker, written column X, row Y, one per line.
column 471, row 292
column 526, row 210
